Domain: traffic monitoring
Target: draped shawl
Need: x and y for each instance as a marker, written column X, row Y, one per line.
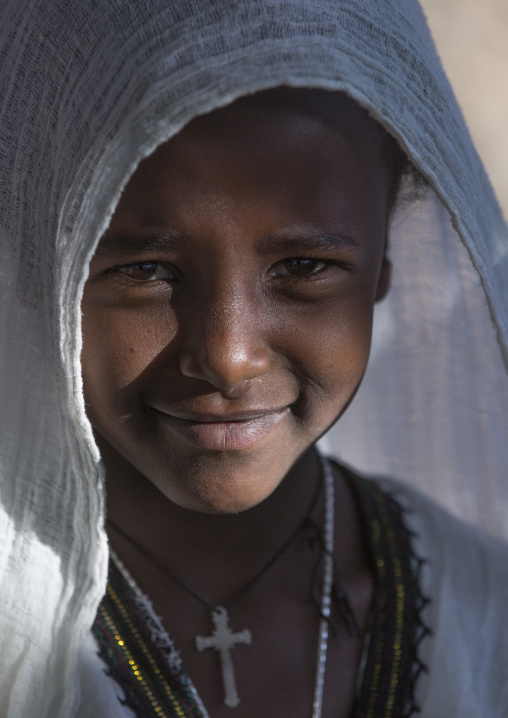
column 90, row 87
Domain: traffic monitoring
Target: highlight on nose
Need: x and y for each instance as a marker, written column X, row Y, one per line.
column 225, row 358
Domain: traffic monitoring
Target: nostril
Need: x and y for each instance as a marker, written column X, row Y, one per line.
column 232, row 378
column 226, row 362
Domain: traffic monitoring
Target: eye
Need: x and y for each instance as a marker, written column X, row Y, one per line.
column 299, row 267
column 146, row 271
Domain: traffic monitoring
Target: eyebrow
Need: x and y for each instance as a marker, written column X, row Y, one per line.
column 138, row 242
column 117, row 243
column 321, row 241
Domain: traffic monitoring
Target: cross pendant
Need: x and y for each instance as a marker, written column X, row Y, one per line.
column 223, row 640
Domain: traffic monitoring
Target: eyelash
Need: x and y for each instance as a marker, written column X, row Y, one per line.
column 159, row 268
column 302, row 262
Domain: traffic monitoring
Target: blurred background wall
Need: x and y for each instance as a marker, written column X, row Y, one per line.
column 472, row 40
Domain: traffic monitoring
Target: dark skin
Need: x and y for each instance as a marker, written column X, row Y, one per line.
column 227, row 323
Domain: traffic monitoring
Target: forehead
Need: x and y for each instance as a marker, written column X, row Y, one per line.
column 283, row 108
column 277, row 118
column 288, row 141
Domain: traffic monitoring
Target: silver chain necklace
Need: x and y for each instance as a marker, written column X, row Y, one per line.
column 326, row 595
column 223, row 639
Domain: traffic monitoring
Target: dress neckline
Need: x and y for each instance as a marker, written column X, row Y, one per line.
column 142, row 659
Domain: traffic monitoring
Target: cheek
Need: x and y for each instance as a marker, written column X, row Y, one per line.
column 330, row 349
column 118, row 347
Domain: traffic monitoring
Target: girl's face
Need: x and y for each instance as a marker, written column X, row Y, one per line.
column 227, row 315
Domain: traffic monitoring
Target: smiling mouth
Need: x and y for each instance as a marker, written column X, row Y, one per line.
column 219, row 433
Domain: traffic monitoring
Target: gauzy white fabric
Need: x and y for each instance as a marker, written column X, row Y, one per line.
column 90, row 87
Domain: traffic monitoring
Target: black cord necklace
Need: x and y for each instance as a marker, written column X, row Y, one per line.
column 223, row 638
column 250, row 584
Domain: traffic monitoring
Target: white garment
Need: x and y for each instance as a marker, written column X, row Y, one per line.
column 90, row 87
column 466, row 574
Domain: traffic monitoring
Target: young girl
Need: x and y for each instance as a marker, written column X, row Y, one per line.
column 201, row 206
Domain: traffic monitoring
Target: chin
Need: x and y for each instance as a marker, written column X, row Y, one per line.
column 221, row 507
column 225, row 492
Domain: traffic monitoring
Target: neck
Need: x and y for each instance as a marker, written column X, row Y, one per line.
column 215, row 554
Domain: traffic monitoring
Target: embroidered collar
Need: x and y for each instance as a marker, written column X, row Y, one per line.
column 141, row 658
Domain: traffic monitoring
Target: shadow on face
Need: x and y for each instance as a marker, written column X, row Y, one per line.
column 227, row 316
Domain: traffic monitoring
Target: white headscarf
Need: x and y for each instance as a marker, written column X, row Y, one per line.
column 90, row 87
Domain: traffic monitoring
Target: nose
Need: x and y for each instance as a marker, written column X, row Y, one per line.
column 223, row 344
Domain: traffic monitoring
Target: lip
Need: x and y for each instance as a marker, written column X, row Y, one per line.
column 225, row 433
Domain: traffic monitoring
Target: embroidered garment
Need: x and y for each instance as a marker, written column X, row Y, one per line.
column 89, row 88
column 138, row 653
column 458, row 669
column 143, row 661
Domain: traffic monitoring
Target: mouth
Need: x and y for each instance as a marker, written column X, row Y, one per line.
column 225, row 432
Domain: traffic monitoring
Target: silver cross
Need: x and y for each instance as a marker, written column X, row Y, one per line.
column 223, row 640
